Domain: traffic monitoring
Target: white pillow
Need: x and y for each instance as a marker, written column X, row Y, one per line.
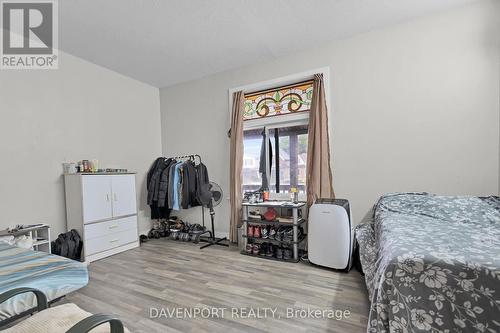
column 24, row 242
column 7, row 239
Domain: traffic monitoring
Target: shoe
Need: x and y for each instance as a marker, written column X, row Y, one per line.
column 265, row 232
column 249, row 248
column 272, row 233
column 279, row 234
column 256, row 249
column 300, row 232
column 257, row 233
column 250, row 231
column 287, row 234
column 287, row 254
column 254, row 216
column 263, row 249
column 270, row 250
column 278, row 253
column 197, row 228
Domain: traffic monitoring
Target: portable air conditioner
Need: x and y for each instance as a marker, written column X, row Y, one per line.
column 330, row 235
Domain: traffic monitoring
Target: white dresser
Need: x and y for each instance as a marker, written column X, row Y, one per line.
column 103, row 209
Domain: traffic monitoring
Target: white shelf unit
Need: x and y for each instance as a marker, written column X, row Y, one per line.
column 103, row 209
column 39, row 233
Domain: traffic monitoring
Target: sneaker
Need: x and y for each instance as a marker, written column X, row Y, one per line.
column 256, row 249
column 270, row 250
column 249, row 248
column 279, row 234
column 272, row 233
column 287, row 234
column 197, row 228
column 256, row 232
column 278, row 253
column 250, row 231
column 287, row 254
column 265, row 232
column 264, row 248
column 254, row 216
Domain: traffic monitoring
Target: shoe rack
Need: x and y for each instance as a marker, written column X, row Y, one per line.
column 298, row 214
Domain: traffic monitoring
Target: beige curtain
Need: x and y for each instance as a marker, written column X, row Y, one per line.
column 236, row 164
column 319, row 173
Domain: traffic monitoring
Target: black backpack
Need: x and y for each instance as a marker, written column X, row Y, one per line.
column 68, row 245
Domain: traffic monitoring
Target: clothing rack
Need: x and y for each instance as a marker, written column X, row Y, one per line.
column 192, row 157
column 211, row 240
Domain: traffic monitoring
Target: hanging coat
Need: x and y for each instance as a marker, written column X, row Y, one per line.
column 262, row 164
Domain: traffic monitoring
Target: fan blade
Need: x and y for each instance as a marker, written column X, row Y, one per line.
column 216, row 195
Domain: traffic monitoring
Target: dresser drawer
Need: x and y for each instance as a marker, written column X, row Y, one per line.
column 110, row 227
column 110, row 241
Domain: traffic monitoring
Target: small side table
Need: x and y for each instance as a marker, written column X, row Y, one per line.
column 39, row 233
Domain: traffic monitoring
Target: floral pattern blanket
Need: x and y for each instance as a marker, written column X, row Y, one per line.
column 432, row 263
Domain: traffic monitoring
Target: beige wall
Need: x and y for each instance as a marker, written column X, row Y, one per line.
column 78, row 111
column 415, row 107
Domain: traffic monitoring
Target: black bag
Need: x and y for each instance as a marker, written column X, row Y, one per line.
column 68, row 245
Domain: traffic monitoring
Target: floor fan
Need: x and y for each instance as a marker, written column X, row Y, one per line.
column 216, row 199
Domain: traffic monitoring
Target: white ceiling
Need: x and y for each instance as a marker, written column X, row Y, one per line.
column 164, row 42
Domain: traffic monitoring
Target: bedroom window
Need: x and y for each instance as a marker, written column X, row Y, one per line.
column 276, row 121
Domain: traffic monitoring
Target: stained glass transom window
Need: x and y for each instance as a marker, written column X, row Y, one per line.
column 279, row 101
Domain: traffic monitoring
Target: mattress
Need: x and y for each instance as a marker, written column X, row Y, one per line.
column 432, row 263
column 54, row 275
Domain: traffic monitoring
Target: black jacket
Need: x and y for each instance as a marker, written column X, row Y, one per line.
column 203, row 194
column 152, row 185
column 159, row 170
column 189, row 185
column 149, row 183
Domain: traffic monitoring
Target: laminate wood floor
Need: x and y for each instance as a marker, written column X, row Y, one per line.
column 170, row 275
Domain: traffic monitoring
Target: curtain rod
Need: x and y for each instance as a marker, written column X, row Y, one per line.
column 260, row 92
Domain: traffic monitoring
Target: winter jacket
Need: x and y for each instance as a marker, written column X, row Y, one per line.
column 163, row 186
column 149, row 183
column 203, row 194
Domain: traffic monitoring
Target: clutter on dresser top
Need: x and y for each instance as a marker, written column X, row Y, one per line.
column 88, row 166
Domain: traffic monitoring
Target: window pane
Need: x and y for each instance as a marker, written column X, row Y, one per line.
column 302, row 162
column 292, row 159
column 292, row 142
column 252, row 141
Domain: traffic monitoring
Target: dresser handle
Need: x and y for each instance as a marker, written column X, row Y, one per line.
column 114, row 240
column 113, row 226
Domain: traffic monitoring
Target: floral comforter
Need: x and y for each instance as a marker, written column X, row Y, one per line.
column 432, row 263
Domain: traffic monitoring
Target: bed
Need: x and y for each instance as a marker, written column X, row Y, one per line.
column 54, row 275
column 432, row 263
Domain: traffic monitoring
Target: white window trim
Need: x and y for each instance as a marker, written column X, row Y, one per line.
column 292, row 119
